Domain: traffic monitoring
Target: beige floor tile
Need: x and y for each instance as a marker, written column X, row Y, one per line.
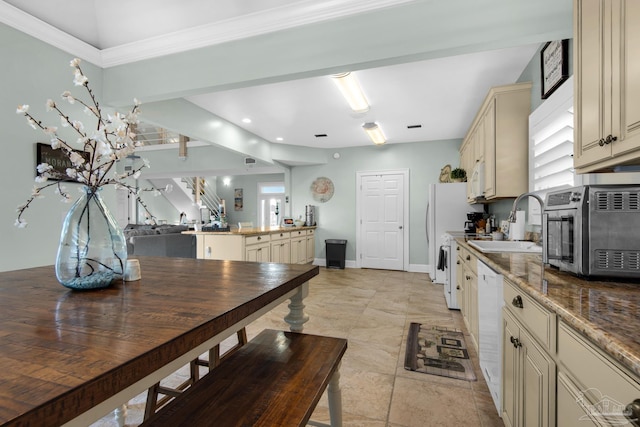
column 426, row 404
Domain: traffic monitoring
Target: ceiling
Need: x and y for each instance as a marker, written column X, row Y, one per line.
column 441, row 95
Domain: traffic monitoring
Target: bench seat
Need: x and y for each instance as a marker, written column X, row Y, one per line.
column 276, row 379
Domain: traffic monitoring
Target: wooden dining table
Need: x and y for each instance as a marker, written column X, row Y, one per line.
column 70, row 357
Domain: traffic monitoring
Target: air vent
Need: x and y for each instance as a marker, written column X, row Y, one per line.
column 617, row 201
column 249, row 161
column 616, row 260
column 414, row 126
column 321, row 135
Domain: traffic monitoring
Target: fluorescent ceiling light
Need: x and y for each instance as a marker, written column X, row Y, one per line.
column 375, row 133
column 351, row 90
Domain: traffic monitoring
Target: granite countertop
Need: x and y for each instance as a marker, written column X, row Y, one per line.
column 606, row 312
column 255, row 231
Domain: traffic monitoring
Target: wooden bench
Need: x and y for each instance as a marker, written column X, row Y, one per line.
column 276, row 379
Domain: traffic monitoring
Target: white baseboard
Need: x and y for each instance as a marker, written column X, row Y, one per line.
column 419, row 268
column 322, row 262
column 413, row 268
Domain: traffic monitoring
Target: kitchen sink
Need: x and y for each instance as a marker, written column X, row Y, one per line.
column 505, row 246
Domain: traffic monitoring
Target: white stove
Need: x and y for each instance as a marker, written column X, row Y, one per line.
column 448, row 251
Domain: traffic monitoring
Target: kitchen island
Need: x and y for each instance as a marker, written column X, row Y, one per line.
column 583, row 342
column 288, row 245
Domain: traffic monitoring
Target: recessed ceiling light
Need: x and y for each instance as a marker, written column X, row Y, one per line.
column 246, row 120
column 279, row 138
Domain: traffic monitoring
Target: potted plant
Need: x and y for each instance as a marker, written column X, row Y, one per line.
column 458, row 175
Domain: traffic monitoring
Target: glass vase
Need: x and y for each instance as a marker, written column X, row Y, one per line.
column 93, row 251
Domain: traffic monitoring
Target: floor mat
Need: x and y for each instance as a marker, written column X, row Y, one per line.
column 438, row 350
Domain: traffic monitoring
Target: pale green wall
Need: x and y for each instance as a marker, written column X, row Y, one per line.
column 249, row 185
column 336, row 218
column 31, row 72
column 158, row 205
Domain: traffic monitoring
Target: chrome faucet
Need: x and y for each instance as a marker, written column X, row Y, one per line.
column 512, row 214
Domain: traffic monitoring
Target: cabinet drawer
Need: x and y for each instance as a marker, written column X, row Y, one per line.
column 310, row 232
column 298, row 233
column 280, row 236
column 469, row 259
column 252, row 240
column 540, row 322
column 594, row 374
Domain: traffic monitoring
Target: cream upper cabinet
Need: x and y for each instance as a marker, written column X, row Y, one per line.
column 498, row 136
column 607, row 82
column 467, row 162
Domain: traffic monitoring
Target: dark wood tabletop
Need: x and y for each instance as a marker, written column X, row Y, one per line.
column 62, row 352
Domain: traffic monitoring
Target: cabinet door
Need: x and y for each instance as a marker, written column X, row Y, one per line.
column 537, row 384
column 570, row 412
column 299, row 250
column 258, row 253
column 467, row 163
column 607, row 83
column 311, row 247
column 592, row 96
column 489, row 121
column 460, row 292
column 510, row 365
column 627, row 31
column 472, row 286
column 281, row 251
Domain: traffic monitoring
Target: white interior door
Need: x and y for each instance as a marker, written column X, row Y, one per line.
column 382, row 215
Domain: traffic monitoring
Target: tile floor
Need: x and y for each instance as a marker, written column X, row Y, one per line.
column 373, row 310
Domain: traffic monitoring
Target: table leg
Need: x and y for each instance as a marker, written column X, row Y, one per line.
column 335, row 399
column 297, row 317
column 119, row 414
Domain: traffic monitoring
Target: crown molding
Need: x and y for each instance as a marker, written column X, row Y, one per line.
column 254, row 24
column 28, row 24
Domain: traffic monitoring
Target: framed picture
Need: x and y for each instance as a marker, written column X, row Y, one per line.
column 238, row 201
column 554, row 64
column 56, row 158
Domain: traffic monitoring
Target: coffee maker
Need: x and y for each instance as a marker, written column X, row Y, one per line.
column 472, row 222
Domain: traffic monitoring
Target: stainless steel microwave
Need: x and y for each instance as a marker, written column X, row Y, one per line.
column 593, row 230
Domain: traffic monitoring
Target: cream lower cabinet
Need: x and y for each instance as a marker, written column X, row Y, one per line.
column 592, row 388
column 528, row 368
column 607, row 70
column 258, row 248
column 528, row 378
column 281, row 248
column 299, row 247
column 285, row 247
column 311, row 245
column 467, row 278
column 460, row 284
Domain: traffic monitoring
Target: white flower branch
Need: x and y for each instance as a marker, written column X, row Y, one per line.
column 111, row 140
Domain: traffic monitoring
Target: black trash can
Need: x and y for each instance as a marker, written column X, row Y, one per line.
column 336, row 252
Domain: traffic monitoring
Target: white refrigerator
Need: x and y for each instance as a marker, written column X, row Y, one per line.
column 447, row 209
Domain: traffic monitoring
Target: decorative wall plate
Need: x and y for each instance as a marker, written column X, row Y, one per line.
column 445, row 174
column 322, row 189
